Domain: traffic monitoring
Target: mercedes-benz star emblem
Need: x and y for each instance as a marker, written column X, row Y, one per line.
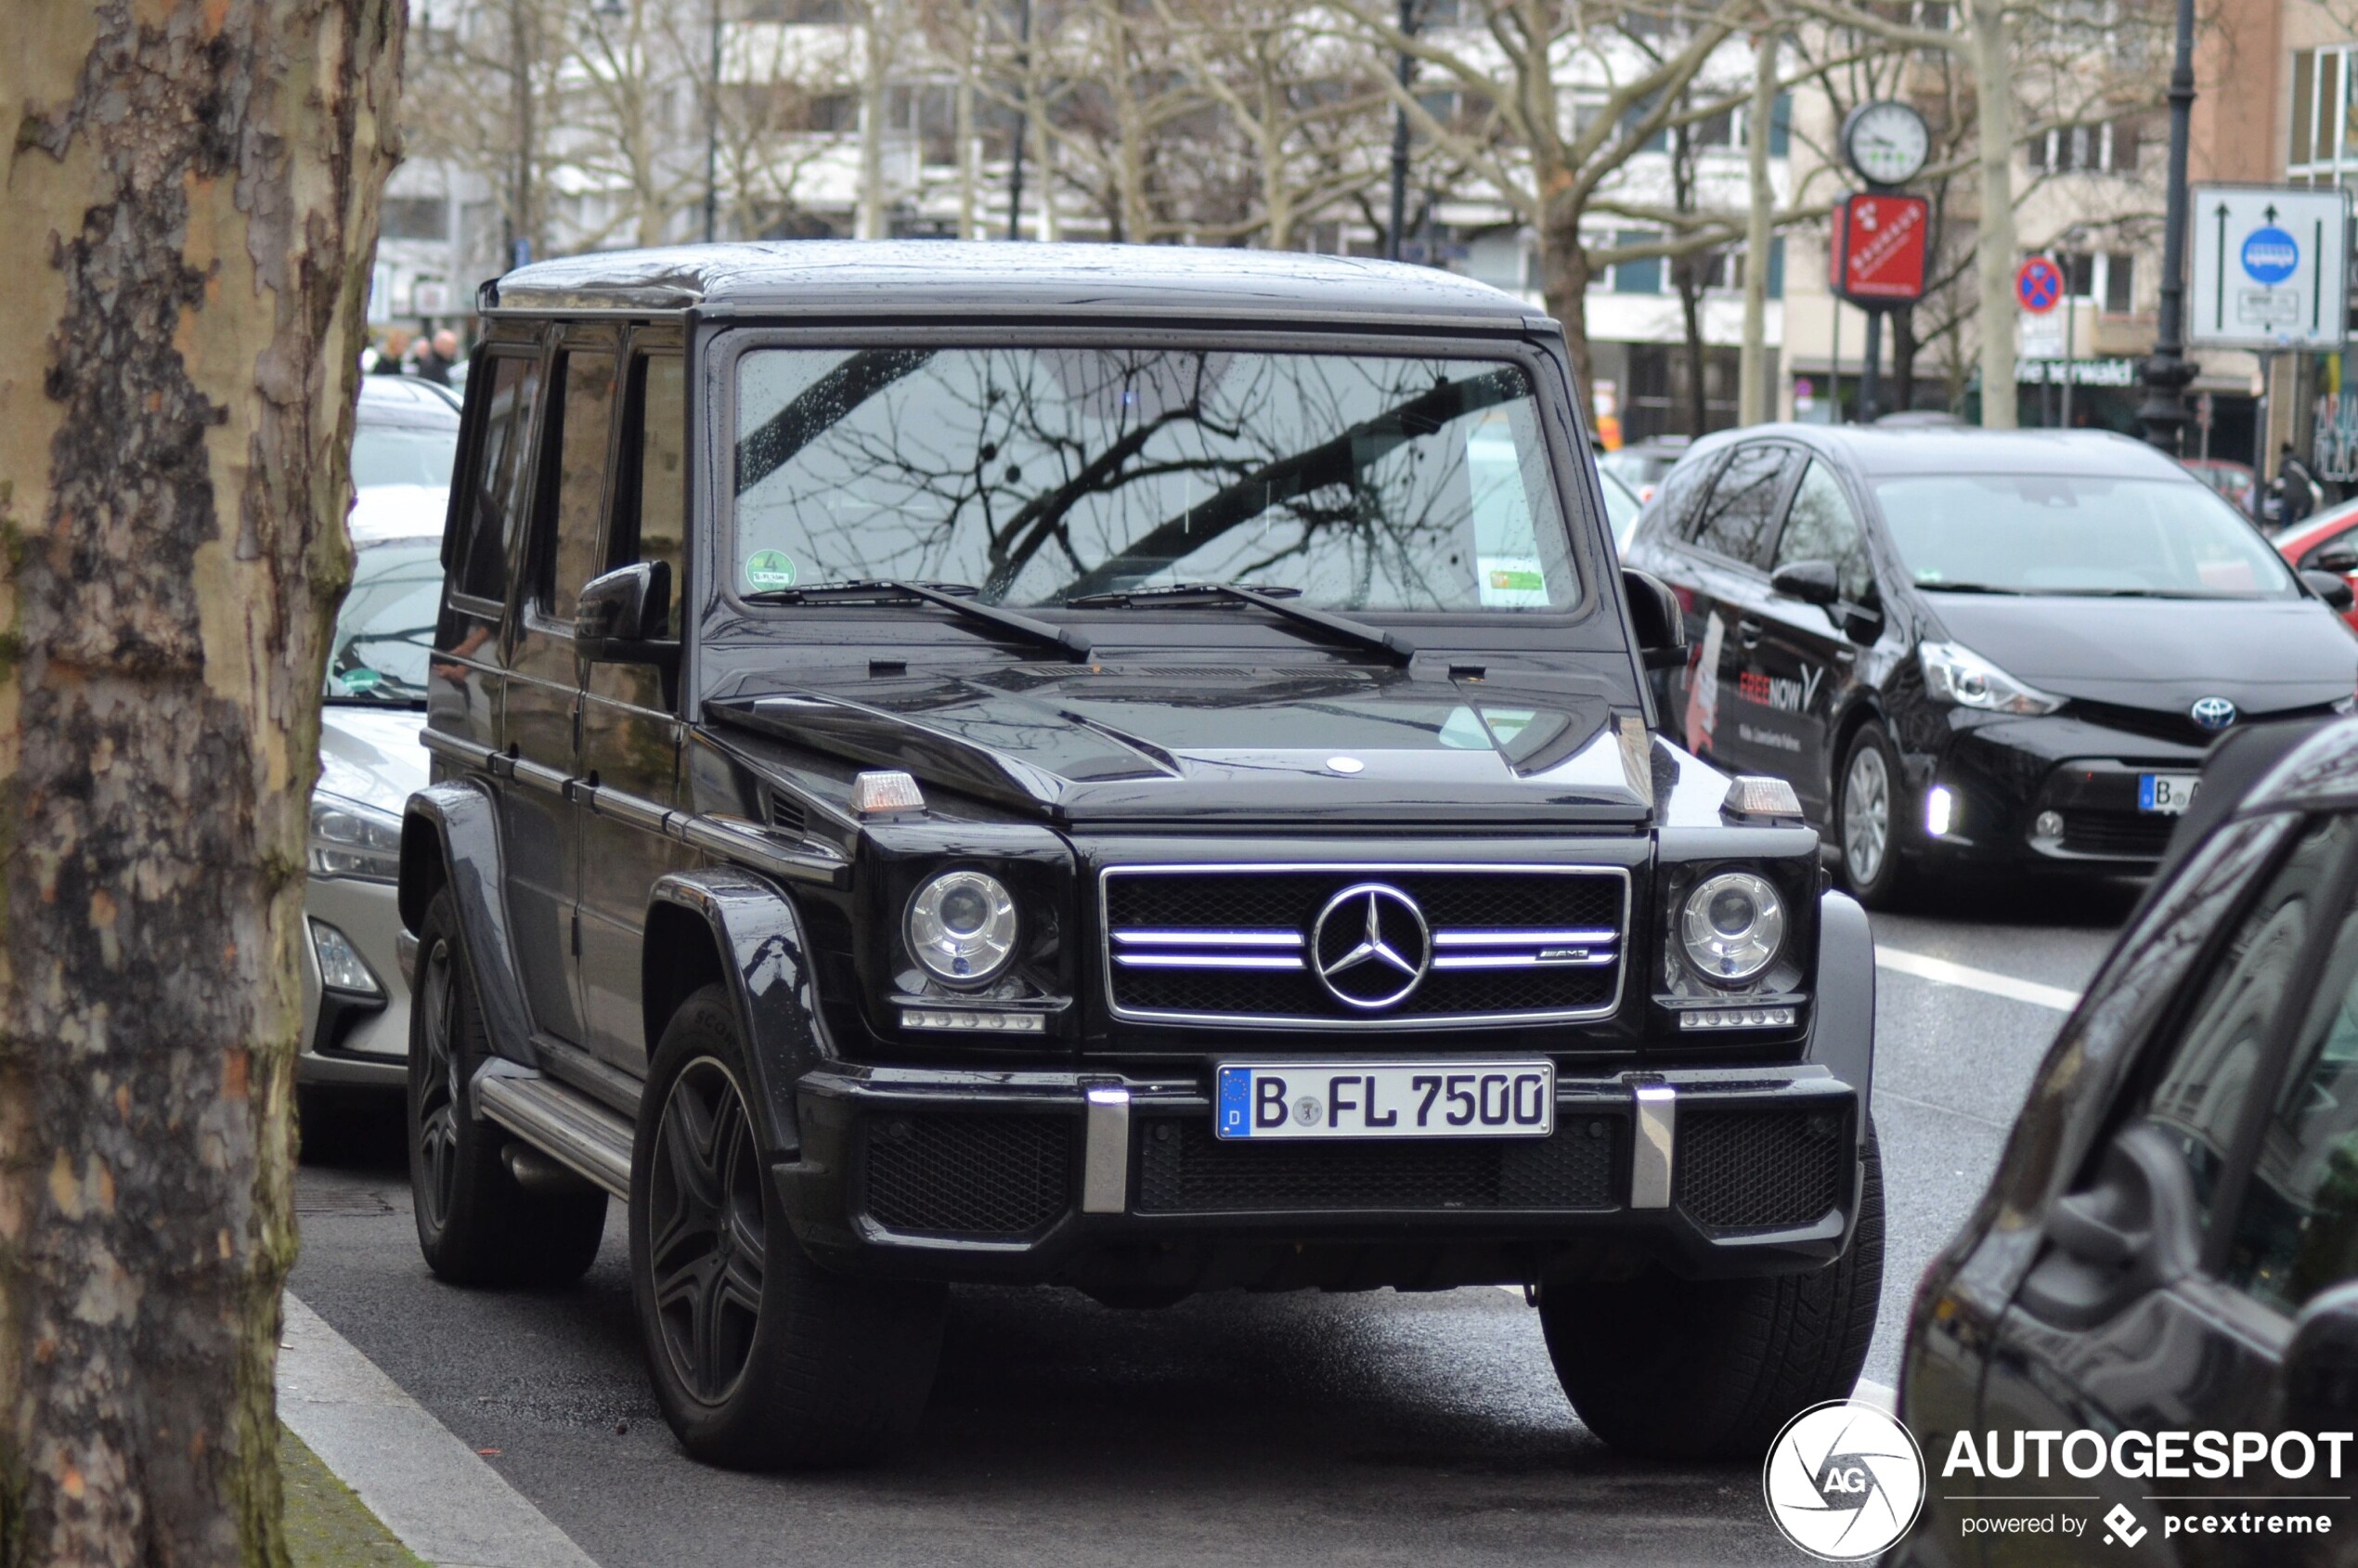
column 1371, row 946
column 2213, row 713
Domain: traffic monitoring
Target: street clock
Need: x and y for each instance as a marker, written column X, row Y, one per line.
column 1886, row 141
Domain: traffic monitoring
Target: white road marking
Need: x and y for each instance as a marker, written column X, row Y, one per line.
column 429, row 1486
column 1926, row 968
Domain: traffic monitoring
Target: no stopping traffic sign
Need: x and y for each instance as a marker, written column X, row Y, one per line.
column 2038, row 283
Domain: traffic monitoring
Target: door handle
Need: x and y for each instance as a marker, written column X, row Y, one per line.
column 1748, row 632
column 1846, row 655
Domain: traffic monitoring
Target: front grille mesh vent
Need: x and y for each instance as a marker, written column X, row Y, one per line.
column 1760, row 1170
column 969, row 1175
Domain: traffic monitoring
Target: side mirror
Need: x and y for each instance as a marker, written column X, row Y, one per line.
column 2339, row 556
column 2332, row 588
column 1812, row 582
column 2320, row 1377
column 1661, row 625
column 621, row 615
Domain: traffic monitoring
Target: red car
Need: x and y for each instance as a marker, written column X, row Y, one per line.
column 2326, row 543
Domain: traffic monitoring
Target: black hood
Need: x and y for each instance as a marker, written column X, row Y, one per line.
column 1232, row 744
column 2265, row 655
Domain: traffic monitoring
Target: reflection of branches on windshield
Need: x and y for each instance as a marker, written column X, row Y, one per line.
column 820, row 407
column 992, row 461
column 1336, row 461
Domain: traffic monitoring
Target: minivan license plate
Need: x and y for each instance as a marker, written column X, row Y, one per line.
column 1450, row 1100
column 2170, row 794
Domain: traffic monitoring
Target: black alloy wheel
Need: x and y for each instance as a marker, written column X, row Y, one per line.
column 476, row 1224
column 709, row 1247
column 435, row 1081
column 761, row 1357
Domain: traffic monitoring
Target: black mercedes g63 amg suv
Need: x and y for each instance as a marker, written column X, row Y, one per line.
column 1120, row 768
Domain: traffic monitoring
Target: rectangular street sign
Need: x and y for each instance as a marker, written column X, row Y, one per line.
column 2270, row 268
column 1878, row 250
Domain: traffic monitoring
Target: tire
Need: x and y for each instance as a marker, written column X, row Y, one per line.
column 476, row 1225
column 1688, row 1369
column 1867, row 819
column 760, row 1358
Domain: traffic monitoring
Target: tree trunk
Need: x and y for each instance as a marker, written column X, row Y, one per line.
column 1994, row 256
column 192, row 189
column 869, row 219
column 1751, row 396
column 1564, row 272
column 1690, row 276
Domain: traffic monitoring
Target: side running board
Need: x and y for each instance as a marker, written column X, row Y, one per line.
column 571, row 1128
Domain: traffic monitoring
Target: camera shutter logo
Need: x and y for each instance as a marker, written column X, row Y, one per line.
column 1844, row 1481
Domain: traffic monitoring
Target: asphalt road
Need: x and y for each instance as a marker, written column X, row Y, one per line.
column 1232, row 1429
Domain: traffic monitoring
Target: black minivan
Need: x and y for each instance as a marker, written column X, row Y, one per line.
column 2001, row 650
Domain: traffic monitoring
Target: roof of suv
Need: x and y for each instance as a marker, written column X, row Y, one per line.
column 1939, row 449
column 806, row 278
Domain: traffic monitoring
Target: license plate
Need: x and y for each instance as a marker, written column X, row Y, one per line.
column 1454, row 1099
column 2170, row 794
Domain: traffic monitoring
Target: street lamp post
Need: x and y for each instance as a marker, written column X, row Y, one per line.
column 2167, row 373
column 1406, row 68
column 1023, row 121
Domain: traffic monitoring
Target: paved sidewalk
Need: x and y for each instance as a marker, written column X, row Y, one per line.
column 429, row 1488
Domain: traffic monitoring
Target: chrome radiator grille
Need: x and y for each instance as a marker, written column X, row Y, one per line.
column 1364, row 946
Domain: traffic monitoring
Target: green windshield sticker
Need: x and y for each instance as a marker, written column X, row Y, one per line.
column 768, row 568
column 357, row 680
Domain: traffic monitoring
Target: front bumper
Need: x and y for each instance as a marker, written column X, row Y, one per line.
column 2003, row 775
column 354, row 1040
column 1116, row 1184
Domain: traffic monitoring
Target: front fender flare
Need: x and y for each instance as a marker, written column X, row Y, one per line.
column 460, row 818
column 1842, row 1038
column 765, row 963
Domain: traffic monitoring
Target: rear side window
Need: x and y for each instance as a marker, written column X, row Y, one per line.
column 1674, row 503
column 579, row 434
column 2206, row 1077
column 1738, row 515
column 653, row 498
column 499, row 481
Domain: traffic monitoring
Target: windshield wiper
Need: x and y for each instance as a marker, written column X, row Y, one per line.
column 1970, row 588
column 957, row 598
column 1362, row 634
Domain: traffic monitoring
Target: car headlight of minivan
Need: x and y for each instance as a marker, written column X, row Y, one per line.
column 351, row 841
column 1732, row 927
column 962, row 927
column 1954, row 673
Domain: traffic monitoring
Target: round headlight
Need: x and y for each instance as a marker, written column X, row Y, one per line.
column 962, row 927
column 1732, row 927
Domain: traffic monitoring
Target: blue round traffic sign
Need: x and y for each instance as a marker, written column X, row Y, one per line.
column 2038, row 283
column 2271, row 255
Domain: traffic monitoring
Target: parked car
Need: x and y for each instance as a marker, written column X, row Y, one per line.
column 2327, row 542
column 404, row 444
column 1641, row 464
column 356, row 1008
column 1976, row 649
column 1132, row 770
column 2233, row 482
column 2170, row 1241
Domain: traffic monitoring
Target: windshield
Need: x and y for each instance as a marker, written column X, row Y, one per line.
column 2070, row 534
column 1041, row 475
column 385, row 629
column 403, row 455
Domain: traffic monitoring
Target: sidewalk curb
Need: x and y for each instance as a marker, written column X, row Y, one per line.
column 429, row 1487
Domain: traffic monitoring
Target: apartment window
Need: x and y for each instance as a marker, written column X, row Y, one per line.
column 2119, row 278
column 2108, row 147
column 834, row 113
column 1636, row 277
column 2325, row 113
column 416, row 218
